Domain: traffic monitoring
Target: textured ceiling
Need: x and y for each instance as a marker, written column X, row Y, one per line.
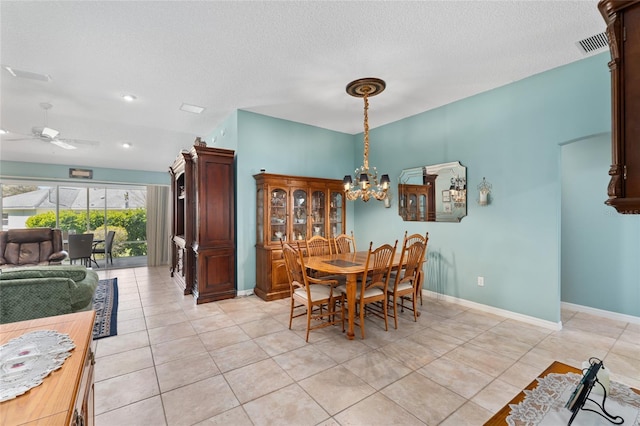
column 283, row 59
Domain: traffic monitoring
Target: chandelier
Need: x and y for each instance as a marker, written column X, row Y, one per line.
column 367, row 178
column 458, row 189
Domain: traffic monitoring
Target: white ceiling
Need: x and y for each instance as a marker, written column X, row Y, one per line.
column 290, row 60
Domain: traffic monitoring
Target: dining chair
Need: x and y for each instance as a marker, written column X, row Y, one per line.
column 406, row 242
column 311, row 293
column 318, row 246
column 372, row 289
column 106, row 248
column 405, row 284
column 344, row 243
column 80, row 246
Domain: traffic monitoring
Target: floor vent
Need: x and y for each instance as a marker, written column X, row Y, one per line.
column 593, row 43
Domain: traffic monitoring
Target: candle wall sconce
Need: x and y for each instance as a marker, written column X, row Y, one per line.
column 484, row 192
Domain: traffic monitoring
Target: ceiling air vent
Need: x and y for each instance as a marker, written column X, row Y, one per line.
column 593, row 43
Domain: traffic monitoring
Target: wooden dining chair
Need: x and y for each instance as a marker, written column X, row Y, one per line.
column 405, row 284
column 406, row 242
column 318, row 246
column 372, row 289
column 311, row 293
column 344, row 243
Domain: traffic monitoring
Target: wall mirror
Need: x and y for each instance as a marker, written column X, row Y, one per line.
column 436, row 193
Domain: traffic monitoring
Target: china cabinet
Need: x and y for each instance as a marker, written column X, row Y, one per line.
column 203, row 223
column 623, row 31
column 291, row 208
column 416, row 202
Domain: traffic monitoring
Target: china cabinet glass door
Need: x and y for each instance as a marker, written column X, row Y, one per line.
column 299, row 215
column 278, row 216
column 318, row 213
column 335, row 213
column 260, row 217
column 413, row 206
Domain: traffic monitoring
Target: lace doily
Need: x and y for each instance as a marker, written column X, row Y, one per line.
column 26, row 360
column 544, row 405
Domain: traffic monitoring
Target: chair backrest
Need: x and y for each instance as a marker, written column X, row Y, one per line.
column 109, row 241
column 80, row 246
column 410, row 239
column 29, row 245
column 345, row 243
column 378, row 267
column 318, row 246
column 295, row 271
column 411, row 260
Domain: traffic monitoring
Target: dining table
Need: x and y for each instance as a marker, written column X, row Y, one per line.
column 351, row 265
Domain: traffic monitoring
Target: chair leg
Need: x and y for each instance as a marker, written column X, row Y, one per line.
column 386, row 323
column 309, row 309
column 395, row 311
column 362, row 309
column 291, row 314
column 342, row 308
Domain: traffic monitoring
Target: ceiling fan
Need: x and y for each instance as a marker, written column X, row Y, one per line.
column 47, row 134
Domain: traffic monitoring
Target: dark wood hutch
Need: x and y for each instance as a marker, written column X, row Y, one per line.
column 623, row 31
column 203, row 223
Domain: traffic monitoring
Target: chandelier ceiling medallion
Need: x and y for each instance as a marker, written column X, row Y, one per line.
column 367, row 178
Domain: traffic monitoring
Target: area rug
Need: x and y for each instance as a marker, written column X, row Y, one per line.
column 105, row 303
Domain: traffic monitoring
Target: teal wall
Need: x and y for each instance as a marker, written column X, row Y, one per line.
column 281, row 147
column 511, row 136
column 600, row 248
column 16, row 169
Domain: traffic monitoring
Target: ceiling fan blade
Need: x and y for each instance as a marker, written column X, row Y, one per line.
column 62, row 144
column 79, row 141
column 21, row 139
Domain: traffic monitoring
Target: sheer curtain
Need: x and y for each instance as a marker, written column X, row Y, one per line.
column 158, row 216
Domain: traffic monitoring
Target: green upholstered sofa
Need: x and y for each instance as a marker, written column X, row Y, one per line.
column 44, row 291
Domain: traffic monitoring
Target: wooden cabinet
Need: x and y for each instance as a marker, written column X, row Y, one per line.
column 417, row 202
column 65, row 396
column 203, row 258
column 293, row 208
column 623, row 30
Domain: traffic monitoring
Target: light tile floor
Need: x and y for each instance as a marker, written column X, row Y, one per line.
column 235, row 362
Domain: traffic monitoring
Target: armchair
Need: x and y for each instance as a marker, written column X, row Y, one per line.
column 31, row 246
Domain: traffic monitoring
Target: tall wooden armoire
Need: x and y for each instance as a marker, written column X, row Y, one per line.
column 623, row 31
column 203, row 258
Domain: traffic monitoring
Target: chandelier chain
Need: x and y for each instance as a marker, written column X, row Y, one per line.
column 366, row 130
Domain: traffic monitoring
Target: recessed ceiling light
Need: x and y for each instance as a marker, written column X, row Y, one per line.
column 3, row 132
column 129, row 98
column 191, row 108
column 127, row 145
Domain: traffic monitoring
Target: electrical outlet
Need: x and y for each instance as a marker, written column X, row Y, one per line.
column 481, row 281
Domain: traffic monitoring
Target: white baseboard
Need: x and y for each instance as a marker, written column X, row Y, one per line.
column 602, row 313
column 493, row 310
column 242, row 293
